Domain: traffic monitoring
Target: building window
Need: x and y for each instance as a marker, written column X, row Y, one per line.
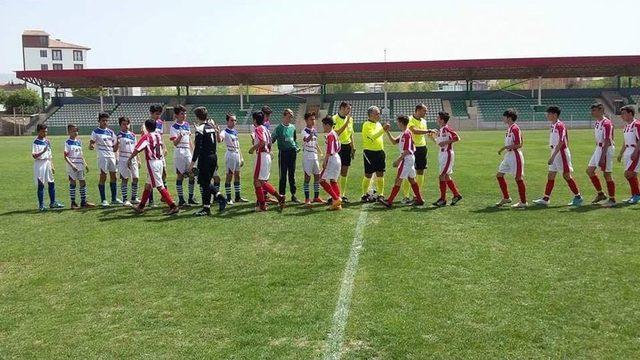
column 77, row 66
column 60, row 94
column 44, row 40
column 57, row 66
column 56, row 54
column 43, row 53
column 44, row 67
column 77, row 55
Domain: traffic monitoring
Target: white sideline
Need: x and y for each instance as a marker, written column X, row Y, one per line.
column 336, row 337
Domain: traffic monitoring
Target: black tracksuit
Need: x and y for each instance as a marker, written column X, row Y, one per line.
column 205, row 153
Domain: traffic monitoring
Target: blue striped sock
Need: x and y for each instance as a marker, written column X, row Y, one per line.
column 72, row 192
column 114, row 190
column 316, row 189
column 192, row 183
column 179, row 190
column 134, row 191
column 305, row 187
column 236, row 187
column 83, row 194
column 101, row 190
column 123, row 190
column 227, row 190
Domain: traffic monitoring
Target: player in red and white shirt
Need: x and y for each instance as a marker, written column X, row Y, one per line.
column 630, row 151
column 262, row 148
column 513, row 162
column 310, row 165
column 180, row 136
column 560, row 160
column 602, row 157
column 126, row 141
column 332, row 164
column 151, row 144
column 445, row 139
column 155, row 113
column 405, row 162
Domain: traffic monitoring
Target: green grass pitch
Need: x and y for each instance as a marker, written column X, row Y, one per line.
column 469, row 281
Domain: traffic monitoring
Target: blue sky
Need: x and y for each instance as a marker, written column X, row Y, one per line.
column 182, row 33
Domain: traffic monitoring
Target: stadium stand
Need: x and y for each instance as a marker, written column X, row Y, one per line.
column 278, row 108
column 459, row 109
column 358, row 108
column 80, row 114
column 576, row 109
column 138, row 112
column 218, row 112
column 407, row 107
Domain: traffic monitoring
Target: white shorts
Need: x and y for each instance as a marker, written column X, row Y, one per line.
column 232, row 161
column 181, row 160
column 76, row 175
column 513, row 163
column 42, row 172
column 562, row 162
column 107, row 165
column 310, row 165
column 407, row 167
column 629, row 164
column 332, row 171
column 446, row 160
column 154, row 173
column 262, row 170
column 126, row 171
column 595, row 158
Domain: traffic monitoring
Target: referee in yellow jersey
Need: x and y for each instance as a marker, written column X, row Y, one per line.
column 344, row 128
column 373, row 153
column 418, row 127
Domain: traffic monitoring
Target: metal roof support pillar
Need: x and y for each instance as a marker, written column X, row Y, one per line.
column 618, row 81
column 113, row 98
column 386, row 106
column 187, row 90
column 178, row 87
column 539, row 90
column 630, row 81
column 42, row 97
column 323, row 92
column 241, row 97
column 101, row 100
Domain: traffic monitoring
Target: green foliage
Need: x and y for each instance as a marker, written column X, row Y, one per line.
column 345, row 88
column 25, row 98
column 87, row 92
column 3, row 96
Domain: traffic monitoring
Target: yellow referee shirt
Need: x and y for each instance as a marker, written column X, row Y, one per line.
column 418, row 124
column 372, row 136
column 345, row 136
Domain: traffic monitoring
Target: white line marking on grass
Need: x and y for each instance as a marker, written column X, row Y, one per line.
column 336, row 337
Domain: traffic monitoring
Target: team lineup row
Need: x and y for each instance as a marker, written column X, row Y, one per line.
column 118, row 154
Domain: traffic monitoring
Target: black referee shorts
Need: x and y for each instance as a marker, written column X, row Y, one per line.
column 345, row 154
column 374, row 161
column 421, row 157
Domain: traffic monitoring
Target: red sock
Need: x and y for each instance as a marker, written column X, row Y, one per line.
column 329, row 190
column 416, row 191
column 611, row 189
column 522, row 191
column 573, row 186
column 164, row 193
column 270, row 189
column 443, row 190
column 336, row 188
column 452, row 187
column 635, row 185
column 549, row 188
column 260, row 195
column 394, row 192
column 503, row 187
column 596, row 183
column 145, row 197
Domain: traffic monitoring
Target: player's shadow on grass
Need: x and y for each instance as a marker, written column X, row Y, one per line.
column 33, row 211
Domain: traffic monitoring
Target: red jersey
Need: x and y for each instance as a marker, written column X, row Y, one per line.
column 262, row 133
column 152, row 145
column 333, row 145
